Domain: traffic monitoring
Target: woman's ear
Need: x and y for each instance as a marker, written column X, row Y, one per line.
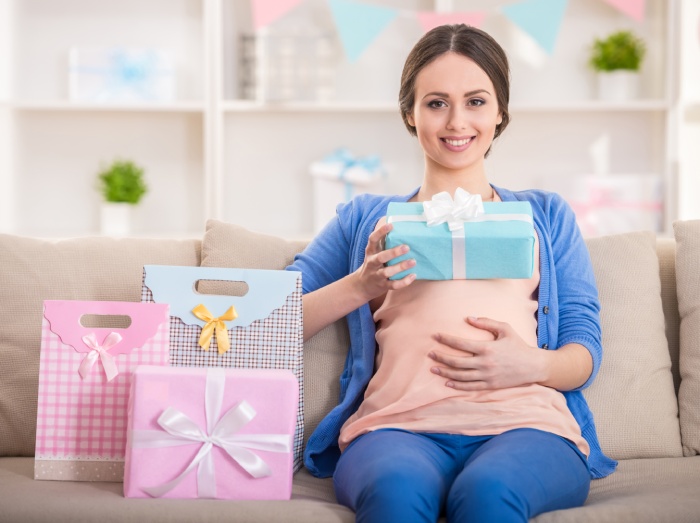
column 410, row 120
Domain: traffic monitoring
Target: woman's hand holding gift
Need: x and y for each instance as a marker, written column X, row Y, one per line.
column 373, row 276
column 368, row 283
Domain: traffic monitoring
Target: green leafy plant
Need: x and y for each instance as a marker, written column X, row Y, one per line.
column 122, row 182
column 620, row 50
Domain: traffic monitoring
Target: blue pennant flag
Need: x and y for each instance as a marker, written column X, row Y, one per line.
column 541, row 19
column 359, row 24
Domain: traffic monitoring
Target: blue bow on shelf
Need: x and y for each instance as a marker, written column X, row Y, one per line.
column 372, row 164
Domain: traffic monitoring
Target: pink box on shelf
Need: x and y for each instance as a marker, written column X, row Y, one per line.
column 211, row 433
column 84, row 382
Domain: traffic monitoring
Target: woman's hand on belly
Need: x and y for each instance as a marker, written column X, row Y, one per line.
column 506, row 361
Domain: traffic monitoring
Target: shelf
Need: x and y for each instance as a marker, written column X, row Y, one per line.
column 247, row 106
column 186, row 235
column 593, row 105
column 176, row 107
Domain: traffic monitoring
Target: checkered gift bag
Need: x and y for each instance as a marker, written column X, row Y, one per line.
column 84, row 384
column 262, row 329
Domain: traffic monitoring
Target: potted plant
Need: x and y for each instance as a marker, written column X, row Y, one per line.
column 122, row 186
column 617, row 59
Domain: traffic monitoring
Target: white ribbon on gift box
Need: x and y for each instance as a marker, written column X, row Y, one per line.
column 100, row 352
column 181, row 430
column 464, row 208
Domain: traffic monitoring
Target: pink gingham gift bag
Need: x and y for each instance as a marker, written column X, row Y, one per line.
column 84, row 383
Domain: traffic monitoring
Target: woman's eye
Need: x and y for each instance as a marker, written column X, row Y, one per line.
column 476, row 102
column 435, row 104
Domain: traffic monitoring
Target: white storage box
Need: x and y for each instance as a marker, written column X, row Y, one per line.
column 616, row 204
column 340, row 177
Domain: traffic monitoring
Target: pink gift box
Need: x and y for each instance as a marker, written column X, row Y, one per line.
column 211, row 433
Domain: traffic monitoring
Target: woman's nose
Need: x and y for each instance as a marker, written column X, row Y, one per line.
column 457, row 119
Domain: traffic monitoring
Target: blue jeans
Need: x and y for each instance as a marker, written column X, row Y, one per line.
column 396, row 475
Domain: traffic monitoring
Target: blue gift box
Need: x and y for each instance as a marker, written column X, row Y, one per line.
column 496, row 244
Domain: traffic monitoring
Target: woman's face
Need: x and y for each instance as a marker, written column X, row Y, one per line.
column 455, row 113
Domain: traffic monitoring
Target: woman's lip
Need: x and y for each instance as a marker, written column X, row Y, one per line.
column 457, row 148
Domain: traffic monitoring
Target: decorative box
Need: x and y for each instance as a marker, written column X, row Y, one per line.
column 463, row 238
column 338, row 178
column 121, row 75
column 84, row 380
column 211, row 433
column 616, row 204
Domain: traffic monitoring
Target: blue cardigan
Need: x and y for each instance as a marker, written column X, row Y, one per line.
column 568, row 308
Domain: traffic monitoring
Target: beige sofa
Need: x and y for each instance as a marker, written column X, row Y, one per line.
column 646, row 399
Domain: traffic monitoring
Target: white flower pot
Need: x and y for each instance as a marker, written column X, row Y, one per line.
column 115, row 219
column 618, row 86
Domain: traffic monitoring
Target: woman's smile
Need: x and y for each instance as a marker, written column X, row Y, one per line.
column 457, row 144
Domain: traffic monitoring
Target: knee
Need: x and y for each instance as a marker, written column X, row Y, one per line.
column 486, row 497
column 398, row 486
column 391, row 494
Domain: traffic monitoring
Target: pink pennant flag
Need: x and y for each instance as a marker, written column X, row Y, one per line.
column 267, row 11
column 430, row 20
column 632, row 8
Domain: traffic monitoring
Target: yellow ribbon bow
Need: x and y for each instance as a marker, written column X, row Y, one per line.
column 214, row 325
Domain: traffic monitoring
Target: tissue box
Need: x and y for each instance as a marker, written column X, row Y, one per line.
column 211, row 433
column 498, row 244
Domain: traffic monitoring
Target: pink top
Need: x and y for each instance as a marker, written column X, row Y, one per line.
column 404, row 393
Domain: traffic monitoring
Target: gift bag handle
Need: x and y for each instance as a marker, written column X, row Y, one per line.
column 175, row 285
column 64, row 316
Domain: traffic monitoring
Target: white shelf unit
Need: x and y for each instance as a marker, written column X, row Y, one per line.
column 50, row 105
column 58, row 146
column 213, row 154
column 688, row 112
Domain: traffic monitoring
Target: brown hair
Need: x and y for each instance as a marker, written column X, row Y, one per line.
column 467, row 41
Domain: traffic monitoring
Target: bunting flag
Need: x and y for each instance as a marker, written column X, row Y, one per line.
column 524, row 47
column 430, row 20
column 632, row 8
column 541, row 19
column 267, row 11
column 359, row 24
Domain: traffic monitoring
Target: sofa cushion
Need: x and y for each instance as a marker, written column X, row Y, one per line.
column 633, row 398
column 666, row 252
column 25, row 500
column 229, row 245
column 640, row 490
column 688, row 289
column 36, row 270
